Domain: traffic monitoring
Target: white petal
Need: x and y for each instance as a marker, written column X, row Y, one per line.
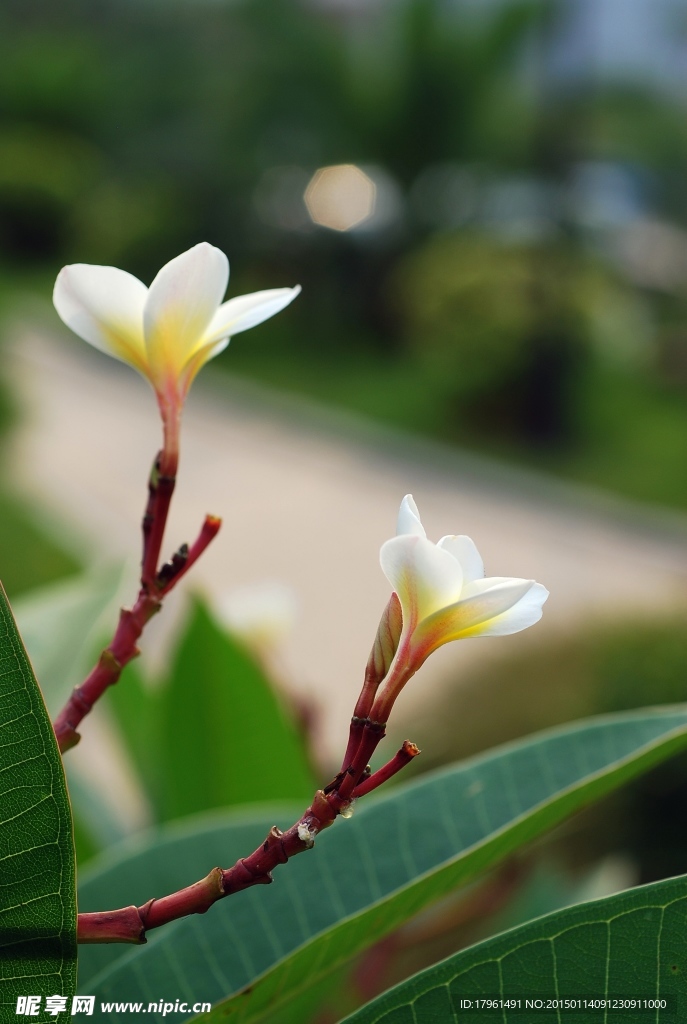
column 425, row 577
column 476, row 587
column 465, row 550
column 247, row 311
column 182, row 301
column 482, row 614
column 408, row 521
column 522, row 614
column 493, row 597
column 104, row 306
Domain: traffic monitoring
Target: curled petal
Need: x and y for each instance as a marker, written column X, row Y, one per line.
column 182, row 301
column 409, row 518
column 477, row 587
column 104, row 306
column 494, row 610
column 425, row 577
column 465, row 550
column 522, row 614
column 245, row 311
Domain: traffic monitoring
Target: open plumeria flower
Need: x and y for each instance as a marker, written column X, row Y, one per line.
column 445, row 596
column 168, row 331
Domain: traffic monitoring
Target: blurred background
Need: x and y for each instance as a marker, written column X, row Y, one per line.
column 530, row 151
column 485, row 204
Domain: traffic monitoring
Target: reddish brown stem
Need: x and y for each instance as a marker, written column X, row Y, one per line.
column 355, row 734
column 154, row 586
column 130, row 924
column 108, row 670
column 371, row 735
column 208, row 532
column 403, row 757
column 378, row 664
column 160, row 491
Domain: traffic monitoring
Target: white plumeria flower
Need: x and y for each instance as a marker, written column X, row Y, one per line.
column 445, row 596
column 168, row 331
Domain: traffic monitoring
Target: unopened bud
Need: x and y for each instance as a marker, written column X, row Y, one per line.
column 386, row 641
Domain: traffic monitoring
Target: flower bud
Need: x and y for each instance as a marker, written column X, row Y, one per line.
column 386, row 642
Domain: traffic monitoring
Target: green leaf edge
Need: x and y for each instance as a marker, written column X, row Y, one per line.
column 564, row 919
column 67, row 933
column 505, row 840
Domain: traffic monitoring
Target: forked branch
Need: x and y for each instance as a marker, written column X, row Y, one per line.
column 155, row 585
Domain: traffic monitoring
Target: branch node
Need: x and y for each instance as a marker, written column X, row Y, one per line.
column 144, row 912
column 321, row 808
column 109, row 663
column 68, row 738
column 125, row 925
column 274, row 842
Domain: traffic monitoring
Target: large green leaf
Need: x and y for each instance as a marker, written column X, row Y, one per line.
column 366, row 876
column 628, row 945
column 37, row 870
column 194, row 736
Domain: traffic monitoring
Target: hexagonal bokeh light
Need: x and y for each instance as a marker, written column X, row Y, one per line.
column 340, row 197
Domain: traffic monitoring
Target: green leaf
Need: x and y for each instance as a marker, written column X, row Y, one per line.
column 631, row 944
column 37, row 869
column 366, row 876
column 216, row 709
column 64, row 628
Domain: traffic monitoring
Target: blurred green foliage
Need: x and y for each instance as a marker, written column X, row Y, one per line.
column 213, row 732
column 600, row 668
column 129, row 131
column 28, row 557
column 505, row 330
column 137, row 128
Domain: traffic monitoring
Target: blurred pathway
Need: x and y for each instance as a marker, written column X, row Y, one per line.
column 308, row 496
